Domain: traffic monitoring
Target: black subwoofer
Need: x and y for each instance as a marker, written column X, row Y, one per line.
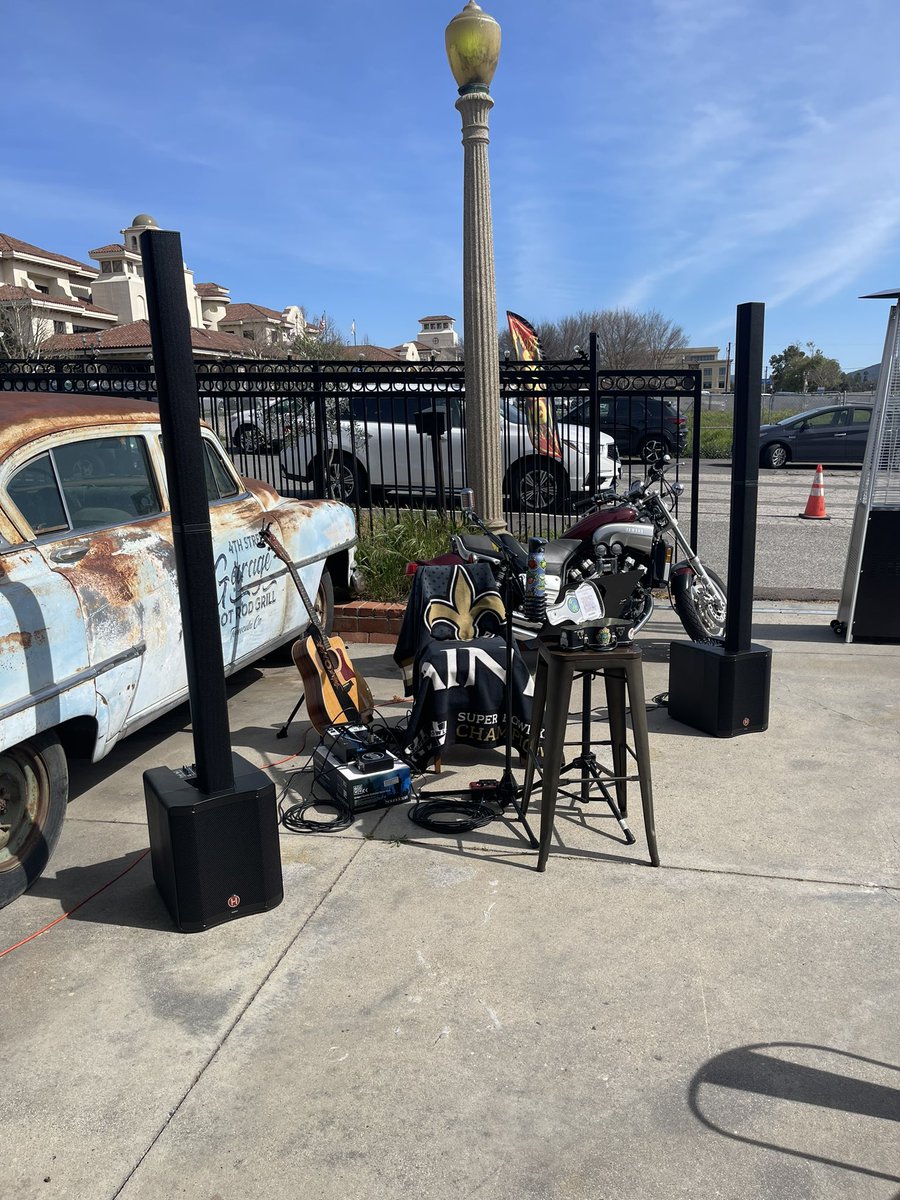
column 215, row 858
column 719, row 691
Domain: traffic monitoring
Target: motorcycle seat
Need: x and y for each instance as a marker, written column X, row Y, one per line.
column 479, row 545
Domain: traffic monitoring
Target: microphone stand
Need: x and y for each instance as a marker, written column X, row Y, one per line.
column 505, row 792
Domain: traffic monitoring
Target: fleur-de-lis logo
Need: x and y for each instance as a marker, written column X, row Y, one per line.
column 464, row 609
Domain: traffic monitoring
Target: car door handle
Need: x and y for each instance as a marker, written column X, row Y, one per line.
column 837, row 435
column 70, row 554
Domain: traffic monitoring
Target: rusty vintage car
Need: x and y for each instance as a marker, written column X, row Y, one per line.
column 90, row 625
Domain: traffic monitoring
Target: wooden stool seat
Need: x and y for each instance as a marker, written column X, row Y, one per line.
column 622, row 670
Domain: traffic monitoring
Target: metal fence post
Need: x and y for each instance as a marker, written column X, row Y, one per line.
column 594, row 410
column 320, row 427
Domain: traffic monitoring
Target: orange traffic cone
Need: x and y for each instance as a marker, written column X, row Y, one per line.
column 815, row 505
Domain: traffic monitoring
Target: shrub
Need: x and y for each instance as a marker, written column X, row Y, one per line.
column 386, row 545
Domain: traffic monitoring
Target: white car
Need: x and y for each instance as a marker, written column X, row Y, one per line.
column 91, row 640
column 250, row 426
column 411, row 442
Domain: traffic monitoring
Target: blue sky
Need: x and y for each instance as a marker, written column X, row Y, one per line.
column 681, row 155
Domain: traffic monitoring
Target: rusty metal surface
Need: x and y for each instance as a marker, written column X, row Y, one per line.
column 26, row 416
column 74, row 605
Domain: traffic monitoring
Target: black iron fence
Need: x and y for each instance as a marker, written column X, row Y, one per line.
column 390, row 438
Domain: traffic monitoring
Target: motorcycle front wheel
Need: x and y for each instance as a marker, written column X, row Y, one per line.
column 700, row 611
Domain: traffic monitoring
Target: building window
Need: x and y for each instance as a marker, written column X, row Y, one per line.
column 42, row 288
column 117, row 267
column 248, row 334
column 82, row 329
column 106, row 266
column 59, row 327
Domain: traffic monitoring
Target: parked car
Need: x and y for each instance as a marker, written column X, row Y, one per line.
column 90, row 624
column 383, row 440
column 836, row 434
column 642, row 426
column 250, row 425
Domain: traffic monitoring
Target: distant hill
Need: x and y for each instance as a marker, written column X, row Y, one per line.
column 867, row 374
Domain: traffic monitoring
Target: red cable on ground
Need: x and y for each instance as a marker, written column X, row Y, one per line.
column 80, row 904
column 131, row 866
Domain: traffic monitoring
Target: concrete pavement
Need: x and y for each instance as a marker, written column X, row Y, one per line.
column 428, row 1017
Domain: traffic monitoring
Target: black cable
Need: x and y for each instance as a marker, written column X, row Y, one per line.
column 294, row 818
column 295, row 821
column 466, row 815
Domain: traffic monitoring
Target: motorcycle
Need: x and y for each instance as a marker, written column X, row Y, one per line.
column 626, row 544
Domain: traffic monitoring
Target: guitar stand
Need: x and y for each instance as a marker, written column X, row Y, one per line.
column 283, row 731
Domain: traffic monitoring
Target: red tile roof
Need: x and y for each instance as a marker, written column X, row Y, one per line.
column 439, row 317
column 373, row 354
column 13, row 292
column 11, row 245
column 136, row 336
column 110, row 249
column 211, row 289
column 248, row 312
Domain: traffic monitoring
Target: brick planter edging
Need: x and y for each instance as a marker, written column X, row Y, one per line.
column 369, row 621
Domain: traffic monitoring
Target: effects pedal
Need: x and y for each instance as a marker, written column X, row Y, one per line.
column 374, row 760
column 347, row 742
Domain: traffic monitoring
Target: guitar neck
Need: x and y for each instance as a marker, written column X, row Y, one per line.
column 274, row 544
column 320, row 637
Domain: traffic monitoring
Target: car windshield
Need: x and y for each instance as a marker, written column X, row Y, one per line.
column 799, row 418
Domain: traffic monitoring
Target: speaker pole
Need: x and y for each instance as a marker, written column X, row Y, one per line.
column 724, row 689
column 179, row 414
column 748, row 368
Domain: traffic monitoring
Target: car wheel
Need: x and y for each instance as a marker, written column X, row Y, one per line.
column 346, row 479
column 34, row 790
column 775, row 455
column 538, row 487
column 653, row 447
column 249, row 439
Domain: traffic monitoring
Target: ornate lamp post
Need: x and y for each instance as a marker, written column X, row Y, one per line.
column 473, row 48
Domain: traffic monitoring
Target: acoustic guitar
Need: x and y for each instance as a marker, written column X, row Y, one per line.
column 336, row 694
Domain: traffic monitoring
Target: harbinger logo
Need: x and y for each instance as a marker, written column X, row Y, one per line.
column 233, row 901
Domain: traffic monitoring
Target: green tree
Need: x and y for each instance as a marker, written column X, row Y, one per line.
column 321, row 342
column 796, row 370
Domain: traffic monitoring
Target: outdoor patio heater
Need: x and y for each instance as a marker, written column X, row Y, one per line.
column 870, row 598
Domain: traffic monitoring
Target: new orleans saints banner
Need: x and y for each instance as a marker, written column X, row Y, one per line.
column 454, row 663
column 538, row 412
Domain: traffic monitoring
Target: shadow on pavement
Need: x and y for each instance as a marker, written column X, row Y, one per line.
column 759, row 1071
column 135, row 906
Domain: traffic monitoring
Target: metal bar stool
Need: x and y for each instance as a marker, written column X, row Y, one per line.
column 621, row 668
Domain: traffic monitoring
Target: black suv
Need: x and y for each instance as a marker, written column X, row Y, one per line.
column 639, row 425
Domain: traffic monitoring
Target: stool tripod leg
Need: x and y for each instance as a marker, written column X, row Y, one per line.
column 588, row 764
